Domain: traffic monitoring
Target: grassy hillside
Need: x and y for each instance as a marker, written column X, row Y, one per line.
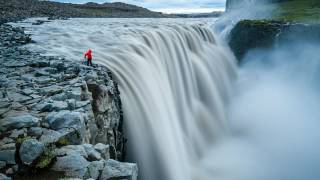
column 299, row 11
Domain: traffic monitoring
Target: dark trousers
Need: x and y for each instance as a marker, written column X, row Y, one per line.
column 89, row 63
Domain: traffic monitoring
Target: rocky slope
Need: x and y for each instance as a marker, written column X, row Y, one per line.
column 11, row 10
column 58, row 119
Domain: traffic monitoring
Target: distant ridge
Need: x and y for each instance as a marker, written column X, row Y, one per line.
column 11, row 10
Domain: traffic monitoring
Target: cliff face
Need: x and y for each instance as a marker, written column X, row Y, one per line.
column 289, row 21
column 263, row 34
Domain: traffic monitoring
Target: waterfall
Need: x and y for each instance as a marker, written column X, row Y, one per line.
column 175, row 82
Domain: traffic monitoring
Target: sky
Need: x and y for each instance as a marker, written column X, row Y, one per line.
column 168, row 6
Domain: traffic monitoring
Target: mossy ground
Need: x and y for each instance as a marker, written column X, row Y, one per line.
column 305, row 11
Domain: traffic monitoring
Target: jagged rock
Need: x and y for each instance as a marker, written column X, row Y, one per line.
column 74, row 93
column 93, row 155
column 71, row 104
column 59, row 105
column 94, row 169
column 50, row 136
column 65, row 119
column 4, row 177
column 30, row 150
column 35, row 131
column 17, row 122
column 16, row 133
column 51, row 90
column 115, row 169
column 6, row 140
column 73, row 165
column 72, row 149
column 103, row 150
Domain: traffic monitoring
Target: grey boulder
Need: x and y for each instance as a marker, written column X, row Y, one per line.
column 30, row 150
column 118, row 170
column 72, row 165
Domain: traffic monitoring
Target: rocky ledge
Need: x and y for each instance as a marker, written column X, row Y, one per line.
column 58, row 119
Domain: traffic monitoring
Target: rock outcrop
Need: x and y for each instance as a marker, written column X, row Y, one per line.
column 57, row 118
column 261, row 34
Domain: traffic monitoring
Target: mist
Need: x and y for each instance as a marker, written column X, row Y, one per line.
column 274, row 117
column 240, row 10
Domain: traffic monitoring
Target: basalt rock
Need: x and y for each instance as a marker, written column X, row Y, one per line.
column 264, row 34
column 58, row 118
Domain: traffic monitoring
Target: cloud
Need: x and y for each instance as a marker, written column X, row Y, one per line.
column 167, row 5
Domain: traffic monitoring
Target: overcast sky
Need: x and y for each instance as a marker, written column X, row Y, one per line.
column 168, row 6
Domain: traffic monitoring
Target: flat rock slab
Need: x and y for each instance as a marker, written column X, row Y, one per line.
column 14, row 96
column 17, row 122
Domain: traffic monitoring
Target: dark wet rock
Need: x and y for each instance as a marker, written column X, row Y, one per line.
column 17, row 122
column 30, row 150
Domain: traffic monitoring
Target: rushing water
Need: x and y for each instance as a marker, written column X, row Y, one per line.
column 186, row 119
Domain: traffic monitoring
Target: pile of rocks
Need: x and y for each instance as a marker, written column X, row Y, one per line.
column 58, row 119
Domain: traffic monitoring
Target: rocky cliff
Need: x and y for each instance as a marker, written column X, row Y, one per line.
column 58, row 119
column 261, row 34
column 289, row 23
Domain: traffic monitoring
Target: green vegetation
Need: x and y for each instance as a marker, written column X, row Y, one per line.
column 307, row 11
column 20, row 140
column 46, row 158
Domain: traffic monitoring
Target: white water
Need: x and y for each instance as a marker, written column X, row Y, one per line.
column 176, row 86
column 175, row 82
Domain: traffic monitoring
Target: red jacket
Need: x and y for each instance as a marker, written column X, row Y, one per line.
column 88, row 54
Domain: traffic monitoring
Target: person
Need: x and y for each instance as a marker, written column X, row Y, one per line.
column 88, row 55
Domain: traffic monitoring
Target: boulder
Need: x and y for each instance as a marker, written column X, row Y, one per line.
column 17, row 122
column 65, row 119
column 30, row 150
column 117, row 170
column 73, row 165
column 93, row 155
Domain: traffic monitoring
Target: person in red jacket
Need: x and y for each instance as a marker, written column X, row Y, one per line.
column 88, row 55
